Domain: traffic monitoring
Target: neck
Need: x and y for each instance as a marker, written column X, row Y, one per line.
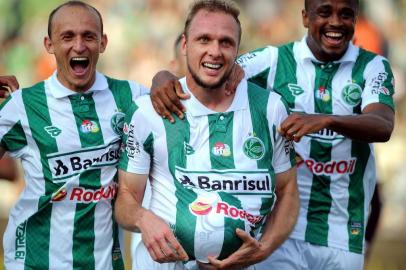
column 214, row 99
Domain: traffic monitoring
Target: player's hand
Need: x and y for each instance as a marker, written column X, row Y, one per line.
column 237, row 74
column 298, row 125
column 251, row 251
column 7, row 83
column 159, row 239
column 166, row 93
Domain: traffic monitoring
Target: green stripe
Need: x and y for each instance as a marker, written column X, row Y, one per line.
column 286, row 75
column 123, row 165
column 121, row 91
column 261, row 79
column 221, row 140
column 320, row 198
column 356, row 202
column 38, row 225
column 14, row 139
column 363, row 59
column 258, row 104
column 323, row 86
column 177, row 135
column 90, row 134
column 230, row 242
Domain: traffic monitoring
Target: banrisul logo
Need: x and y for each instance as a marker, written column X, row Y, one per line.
column 254, row 148
column 351, row 94
column 117, row 123
column 53, row 131
column 89, row 126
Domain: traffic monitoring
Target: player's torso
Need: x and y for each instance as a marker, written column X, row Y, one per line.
column 70, row 163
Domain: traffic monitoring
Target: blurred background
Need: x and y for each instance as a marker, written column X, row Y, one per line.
column 141, row 35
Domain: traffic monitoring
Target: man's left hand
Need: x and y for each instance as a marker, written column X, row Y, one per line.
column 250, row 252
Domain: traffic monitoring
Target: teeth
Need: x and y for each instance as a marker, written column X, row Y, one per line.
column 212, row 66
column 79, row 58
column 334, row 35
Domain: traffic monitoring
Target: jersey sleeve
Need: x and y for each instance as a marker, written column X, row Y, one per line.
column 259, row 66
column 12, row 136
column 283, row 153
column 135, row 151
column 379, row 83
column 138, row 90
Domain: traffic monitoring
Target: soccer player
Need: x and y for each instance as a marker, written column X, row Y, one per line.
column 67, row 132
column 224, row 163
column 341, row 96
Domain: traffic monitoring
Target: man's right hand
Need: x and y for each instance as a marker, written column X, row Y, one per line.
column 166, row 93
column 7, row 83
column 159, row 239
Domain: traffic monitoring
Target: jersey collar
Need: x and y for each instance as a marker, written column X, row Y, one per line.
column 305, row 54
column 195, row 108
column 60, row 91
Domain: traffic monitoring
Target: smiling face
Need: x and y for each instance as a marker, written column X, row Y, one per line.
column 76, row 41
column 330, row 26
column 211, row 48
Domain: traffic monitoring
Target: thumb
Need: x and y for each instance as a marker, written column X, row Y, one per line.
column 179, row 91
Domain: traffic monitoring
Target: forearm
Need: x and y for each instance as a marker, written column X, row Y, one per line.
column 281, row 222
column 365, row 127
column 127, row 211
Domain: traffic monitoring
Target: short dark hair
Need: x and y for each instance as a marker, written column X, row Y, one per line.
column 213, row 5
column 307, row 4
column 72, row 4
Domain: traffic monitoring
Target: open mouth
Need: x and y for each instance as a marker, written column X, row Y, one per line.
column 334, row 38
column 79, row 65
column 212, row 66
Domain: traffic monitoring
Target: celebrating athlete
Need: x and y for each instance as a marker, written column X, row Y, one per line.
column 67, row 132
column 341, row 96
column 215, row 175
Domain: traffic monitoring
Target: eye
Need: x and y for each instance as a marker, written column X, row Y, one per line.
column 204, row 40
column 347, row 15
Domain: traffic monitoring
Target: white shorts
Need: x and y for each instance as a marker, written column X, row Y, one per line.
column 299, row 255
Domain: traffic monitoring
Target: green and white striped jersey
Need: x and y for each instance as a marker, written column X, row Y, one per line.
column 69, row 147
column 337, row 184
column 213, row 171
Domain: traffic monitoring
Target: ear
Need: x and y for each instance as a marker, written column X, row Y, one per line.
column 183, row 45
column 48, row 45
column 305, row 18
column 103, row 43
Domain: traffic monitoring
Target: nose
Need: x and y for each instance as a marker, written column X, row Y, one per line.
column 335, row 20
column 79, row 45
column 214, row 49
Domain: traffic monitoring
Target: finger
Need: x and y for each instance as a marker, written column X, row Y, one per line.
column 215, row 262
column 4, row 92
column 159, row 255
column 173, row 101
column 162, row 111
column 243, row 235
column 167, row 252
column 151, row 252
column 174, row 244
column 179, row 91
column 9, row 81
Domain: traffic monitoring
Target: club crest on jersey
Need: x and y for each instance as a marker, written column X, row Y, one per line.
column 221, row 149
column 351, row 94
column 89, row 126
column 117, row 123
column 323, row 94
column 254, row 148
